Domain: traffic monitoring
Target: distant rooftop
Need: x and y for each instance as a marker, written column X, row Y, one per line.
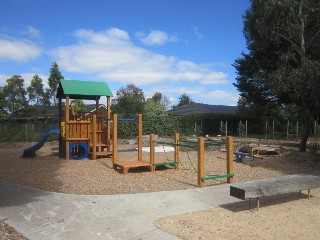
column 203, row 108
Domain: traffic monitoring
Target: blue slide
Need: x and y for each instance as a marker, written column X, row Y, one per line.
column 31, row 151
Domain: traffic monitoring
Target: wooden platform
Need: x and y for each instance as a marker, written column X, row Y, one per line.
column 275, row 186
column 126, row 165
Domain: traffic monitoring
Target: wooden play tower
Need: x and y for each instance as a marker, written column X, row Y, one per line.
column 86, row 134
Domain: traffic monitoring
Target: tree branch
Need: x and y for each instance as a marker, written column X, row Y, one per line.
column 296, row 47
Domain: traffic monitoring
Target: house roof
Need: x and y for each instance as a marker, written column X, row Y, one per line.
column 77, row 89
column 203, row 108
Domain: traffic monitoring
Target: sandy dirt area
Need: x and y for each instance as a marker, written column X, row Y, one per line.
column 290, row 217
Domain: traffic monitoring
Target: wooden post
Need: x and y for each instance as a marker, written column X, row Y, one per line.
column 230, row 158
column 201, row 161
column 67, row 126
column 139, row 137
column 152, row 152
column 94, row 137
column 115, row 139
column 176, row 150
column 60, row 120
column 108, row 123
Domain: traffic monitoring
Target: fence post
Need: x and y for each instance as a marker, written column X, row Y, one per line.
column 26, row 132
column 226, row 128
column 273, row 129
column 246, row 129
column 152, row 146
column 265, row 137
column 177, row 150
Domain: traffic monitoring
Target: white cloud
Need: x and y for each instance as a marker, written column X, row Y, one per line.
column 197, row 33
column 156, row 37
column 222, row 96
column 33, row 32
column 18, row 50
column 111, row 55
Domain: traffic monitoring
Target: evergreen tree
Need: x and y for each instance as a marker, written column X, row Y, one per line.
column 54, row 80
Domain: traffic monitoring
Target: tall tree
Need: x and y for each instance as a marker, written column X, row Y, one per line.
column 283, row 60
column 36, row 93
column 35, row 90
column 14, row 95
column 129, row 101
column 54, row 80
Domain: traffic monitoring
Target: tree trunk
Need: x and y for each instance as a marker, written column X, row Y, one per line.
column 305, row 130
column 307, row 115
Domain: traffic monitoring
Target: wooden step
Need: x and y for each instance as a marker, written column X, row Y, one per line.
column 126, row 165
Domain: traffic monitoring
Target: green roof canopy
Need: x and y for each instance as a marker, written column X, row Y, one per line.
column 77, row 89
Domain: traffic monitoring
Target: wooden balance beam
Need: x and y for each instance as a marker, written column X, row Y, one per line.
column 275, row 186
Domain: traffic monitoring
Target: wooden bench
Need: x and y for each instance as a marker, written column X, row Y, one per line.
column 275, row 186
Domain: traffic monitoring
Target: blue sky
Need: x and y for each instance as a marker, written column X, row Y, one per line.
column 167, row 46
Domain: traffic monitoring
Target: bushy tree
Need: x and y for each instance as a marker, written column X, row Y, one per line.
column 283, row 60
column 78, row 105
column 157, row 104
column 14, row 95
column 129, row 101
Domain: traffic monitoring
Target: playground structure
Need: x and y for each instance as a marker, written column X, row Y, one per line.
column 87, row 134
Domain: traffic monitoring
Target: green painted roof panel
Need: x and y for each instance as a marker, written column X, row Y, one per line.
column 77, row 89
